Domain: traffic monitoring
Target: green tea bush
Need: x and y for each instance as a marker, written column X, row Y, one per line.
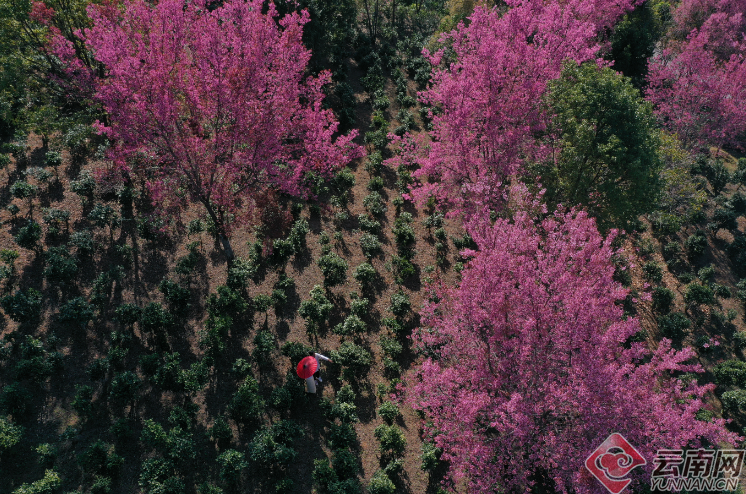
column 232, row 463
column 730, row 373
column 83, row 243
column 403, row 268
column 663, row 299
column 84, row 187
column 296, row 351
column 400, row 304
column 366, row 275
column 696, row 245
column 23, row 307
column 368, row 225
column 246, row 406
column 10, row 434
column 176, row 296
column 360, row 307
column 673, row 325
column 125, row 386
column 76, row 312
column 351, row 326
column 316, row 310
column 380, row 483
column 127, row 314
column 652, row 272
column 388, row 411
column 154, row 318
column 83, row 401
column 334, row 269
column 61, row 267
column 374, row 203
column 264, row 345
column 734, row 401
column 29, row 235
column 699, row 294
column 392, row 441
column 226, row 302
column 342, row 436
column 345, row 464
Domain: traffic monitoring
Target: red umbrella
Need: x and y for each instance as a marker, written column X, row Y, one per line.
column 307, row 367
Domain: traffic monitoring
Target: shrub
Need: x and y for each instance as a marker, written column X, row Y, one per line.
column 346, row 464
column 365, row 274
column 388, row 411
column 61, row 266
column 296, row 351
column 14, row 400
column 10, row 434
column 76, row 311
column 390, row 346
column 231, row 463
column 272, row 446
column 334, row 269
column 46, row 485
column 380, row 483
column 730, row 373
column 403, row 232
column 83, row 242
column 374, row 203
column 368, row 225
column 351, row 326
column 699, row 294
column 23, row 190
column 316, row 310
column 55, row 219
column 696, row 245
column 346, row 412
column 663, row 298
column 725, row 218
column 125, row 386
column 652, row 271
column 403, row 268
column 104, row 216
column 392, row 441
column 23, row 307
column 370, row 245
column 734, row 401
column 29, row 235
column 226, row 302
column 673, row 325
column 154, row 318
column 400, row 304
column 375, row 184
column 176, row 295
column 430, row 457
column 84, row 186
column 360, row 307
column 721, row 291
column 342, row 436
column 323, row 474
column 221, row 431
column 246, row 405
column 127, row 314
column 83, row 401
column 264, row 345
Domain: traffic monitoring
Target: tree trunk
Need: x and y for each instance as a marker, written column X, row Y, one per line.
column 220, row 232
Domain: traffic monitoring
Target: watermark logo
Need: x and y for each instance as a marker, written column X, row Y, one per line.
column 696, row 470
column 613, row 461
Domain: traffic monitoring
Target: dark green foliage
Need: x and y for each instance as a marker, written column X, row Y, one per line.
column 725, row 218
column 370, row 245
column 345, row 464
column 403, row 232
column 392, row 441
column 699, row 294
column 673, row 325
column 663, row 298
column 23, row 190
column 221, row 432
column 653, row 272
column 36, row 363
column 176, row 295
column 351, row 326
column 374, row 203
column 354, row 358
column 316, row 310
column 246, row 406
column 271, row 448
column 323, row 474
column 365, row 274
column 23, row 307
column 706, row 274
column 83, row 242
column 368, row 225
column 633, row 40
column 696, row 245
column 734, row 401
column 154, row 318
column 83, row 401
column 104, row 216
column 380, row 483
column 716, row 173
column 61, row 267
column 76, row 312
column 125, row 386
column 334, row 269
column 84, row 187
column 390, row 347
column 55, row 220
column 127, row 314
column 403, row 268
column 360, row 307
column 29, row 235
column 239, row 273
column 100, row 459
column 262, row 302
column 388, row 411
column 186, row 265
column 157, row 476
column 231, row 463
column 342, row 436
column 375, row 184
column 400, row 304
column 609, row 145
column 264, row 345
column 430, row 457
column 10, row 434
column 14, row 401
column 168, row 374
column 730, row 373
column 737, row 253
column 296, row 351
column 226, row 302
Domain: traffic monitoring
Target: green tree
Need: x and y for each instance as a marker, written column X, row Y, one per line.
column 608, row 159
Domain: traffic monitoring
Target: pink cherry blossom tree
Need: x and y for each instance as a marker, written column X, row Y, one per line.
column 488, row 86
column 211, row 104
column 525, row 371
